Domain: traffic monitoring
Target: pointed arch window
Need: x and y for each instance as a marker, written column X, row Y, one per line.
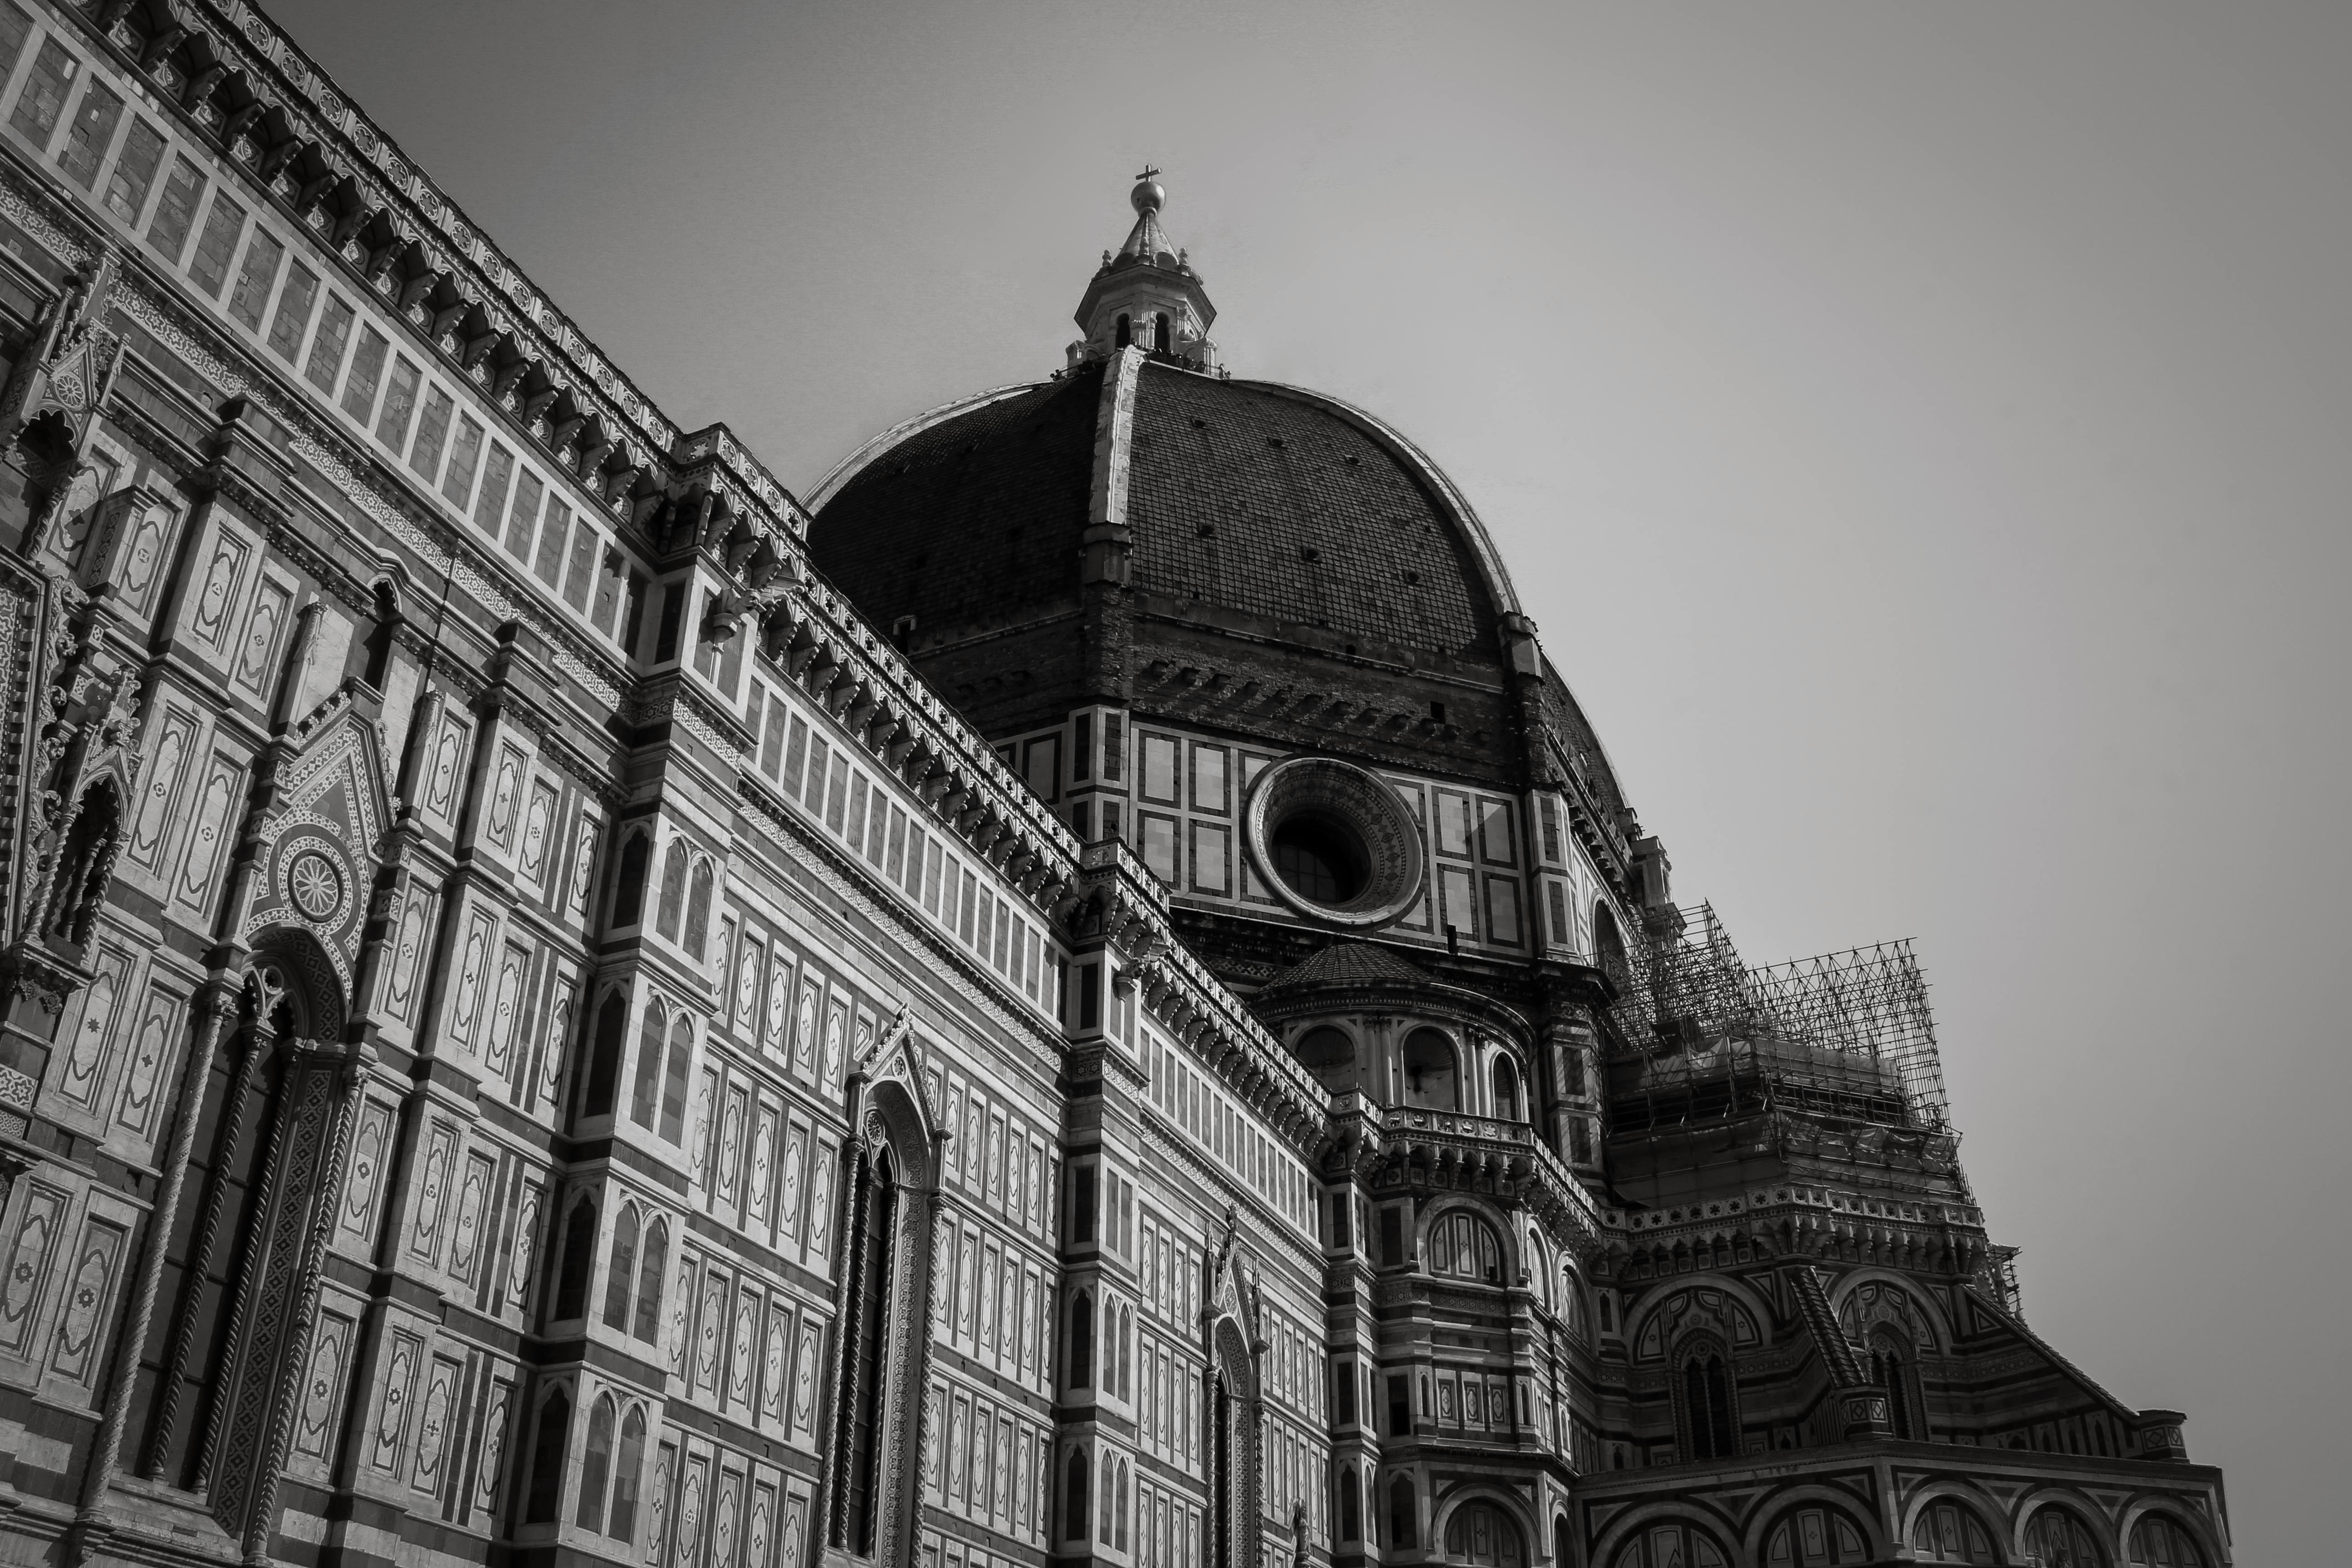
column 1351, row 1507
column 650, row 1271
column 697, row 910
column 578, row 1257
column 644, row 1090
column 604, row 1061
column 1119, row 1497
column 1708, row 1423
column 1404, row 1527
column 596, row 1466
column 1163, row 333
column 1126, row 1352
column 621, row 1272
column 1893, row 1368
column 546, row 1488
column 869, row 1365
column 627, row 1463
column 629, row 881
column 674, row 1079
column 1125, row 333
column 673, row 889
column 1082, row 1341
column 1075, row 1498
column 1103, row 1505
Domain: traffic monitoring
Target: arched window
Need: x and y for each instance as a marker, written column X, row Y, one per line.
column 1483, row 1534
column 1224, row 1475
column 673, row 890
column 2160, row 1543
column 623, row 1525
column 644, row 1090
column 1892, row 1368
column 681, row 1055
column 1463, row 1246
column 1403, row 1528
column 697, row 910
column 1125, row 332
column 1608, row 1314
column 596, row 1466
column 1126, row 1352
column 2059, row 1538
column 1708, row 1423
column 1609, row 948
column 650, row 1269
column 1430, row 1071
column 1950, row 1533
column 1814, row 1538
column 1507, row 1090
column 1571, row 1301
column 629, row 882
column 1102, row 1507
column 1074, row 1497
column 546, row 1489
column 1119, row 1496
column 876, row 1291
column 621, row 1273
column 86, row 863
column 1082, row 1341
column 1328, row 1054
column 1163, row 335
column 579, row 1254
column 1670, row 1546
column 1351, row 1507
column 604, row 1061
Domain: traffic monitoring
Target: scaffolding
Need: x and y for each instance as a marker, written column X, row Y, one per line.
column 1842, row 1030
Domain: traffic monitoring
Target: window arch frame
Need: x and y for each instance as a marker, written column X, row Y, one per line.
column 1717, row 1372
column 596, row 1464
column 1409, row 1092
column 653, row 1268
column 621, row 1266
column 1440, row 1236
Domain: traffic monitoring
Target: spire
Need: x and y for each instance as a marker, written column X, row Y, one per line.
column 1145, row 295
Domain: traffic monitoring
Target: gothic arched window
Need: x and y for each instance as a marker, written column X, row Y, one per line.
column 698, row 910
column 546, row 1488
column 1074, row 1497
column 2058, row 1538
column 596, row 1466
column 579, row 1254
column 674, row 1076
column 621, row 1273
column 1351, row 1507
column 1082, row 1341
column 2160, row 1543
column 1708, row 1423
column 649, row 1282
column 1163, row 333
column 85, row 865
column 1119, row 1496
column 644, row 1090
column 1403, row 1528
column 673, row 890
column 1465, row 1246
column 1125, row 333
column 1126, row 1352
column 876, row 1291
column 1894, row 1369
column 622, row 1525
column 604, row 1061
column 629, row 881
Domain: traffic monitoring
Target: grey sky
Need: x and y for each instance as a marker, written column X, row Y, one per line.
column 1921, row 433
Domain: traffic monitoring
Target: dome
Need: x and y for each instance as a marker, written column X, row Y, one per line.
column 1277, row 506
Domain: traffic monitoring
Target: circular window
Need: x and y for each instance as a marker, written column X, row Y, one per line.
column 1333, row 842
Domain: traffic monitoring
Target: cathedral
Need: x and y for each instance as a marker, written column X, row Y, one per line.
column 1084, row 992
